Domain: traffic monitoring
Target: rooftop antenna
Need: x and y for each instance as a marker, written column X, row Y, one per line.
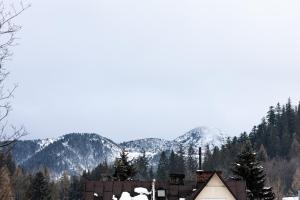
column 153, row 189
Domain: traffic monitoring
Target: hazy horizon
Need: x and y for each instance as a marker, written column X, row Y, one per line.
column 135, row 69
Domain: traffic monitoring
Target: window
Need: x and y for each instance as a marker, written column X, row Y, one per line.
column 161, row 193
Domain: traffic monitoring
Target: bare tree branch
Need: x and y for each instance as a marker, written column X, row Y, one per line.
column 8, row 30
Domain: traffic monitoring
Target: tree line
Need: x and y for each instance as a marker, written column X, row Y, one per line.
column 17, row 184
column 276, row 139
column 170, row 162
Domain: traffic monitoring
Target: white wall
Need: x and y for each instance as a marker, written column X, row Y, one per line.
column 215, row 190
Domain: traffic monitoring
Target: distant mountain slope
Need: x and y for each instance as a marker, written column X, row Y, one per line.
column 25, row 149
column 152, row 147
column 202, row 136
column 76, row 152
column 198, row 137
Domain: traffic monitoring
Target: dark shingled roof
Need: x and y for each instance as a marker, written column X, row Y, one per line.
column 189, row 190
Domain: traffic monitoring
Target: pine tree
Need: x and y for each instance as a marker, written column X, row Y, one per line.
column 54, row 189
column 285, row 141
column 172, row 163
column 207, row 163
column 64, row 187
column 163, row 167
column 96, row 173
column 100, row 172
column 278, row 112
column 180, row 161
column 249, row 169
column 76, row 188
column 141, row 166
column 124, row 169
column 191, row 163
column 40, row 187
column 274, row 145
column 151, row 173
column 291, row 118
column 20, row 183
column 271, row 116
column 262, row 154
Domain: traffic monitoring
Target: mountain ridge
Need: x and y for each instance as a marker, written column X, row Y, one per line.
column 75, row 152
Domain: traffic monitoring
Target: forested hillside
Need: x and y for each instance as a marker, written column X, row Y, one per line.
column 276, row 141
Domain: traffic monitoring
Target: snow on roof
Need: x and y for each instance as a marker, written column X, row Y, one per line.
column 125, row 196
column 290, row 198
column 141, row 190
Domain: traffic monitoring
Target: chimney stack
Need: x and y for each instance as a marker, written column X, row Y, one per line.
column 200, row 160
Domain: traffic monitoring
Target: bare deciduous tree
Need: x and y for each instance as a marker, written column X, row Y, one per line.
column 8, row 30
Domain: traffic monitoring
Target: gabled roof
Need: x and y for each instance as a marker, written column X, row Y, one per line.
column 199, row 190
column 105, row 189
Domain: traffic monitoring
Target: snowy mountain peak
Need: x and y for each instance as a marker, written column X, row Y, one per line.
column 202, row 136
column 44, row 143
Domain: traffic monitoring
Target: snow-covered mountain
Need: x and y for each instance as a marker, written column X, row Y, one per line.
column 202, row 136
column 76, row 152
column 152, row 147
column 198, row 137
column 73, row 152
column 25, row 149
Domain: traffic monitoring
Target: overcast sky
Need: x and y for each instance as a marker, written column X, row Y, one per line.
column 130, row 69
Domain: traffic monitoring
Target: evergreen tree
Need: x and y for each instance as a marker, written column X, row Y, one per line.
column 285, row 141
column 64, row 187
column 141, row 166
column 191, row 161
column 100, row 172
column 291, row 117
column 216, row 157
column 262, row 154
column 76, row 188
column 29, row 191
column 124, row 169
column 40, row 187
column 274, row 145
column 249, row 169
column 180, row 161
column 271, row 116
column 172, row 163
column 54, row 189
column 207, row 163
column 278, row 112
column 151, row 173
column 163, row 167
column 20, row 183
